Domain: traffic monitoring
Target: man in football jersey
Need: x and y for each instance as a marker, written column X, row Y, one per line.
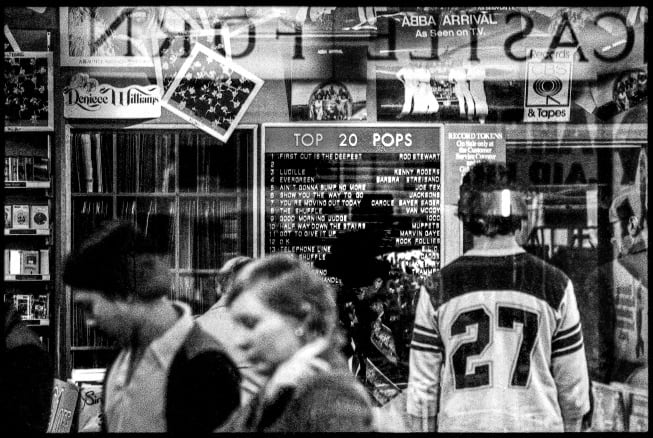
column 497, row 343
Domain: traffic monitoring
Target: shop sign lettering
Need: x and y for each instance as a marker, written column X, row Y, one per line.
column 106, row 101
column 563, row 36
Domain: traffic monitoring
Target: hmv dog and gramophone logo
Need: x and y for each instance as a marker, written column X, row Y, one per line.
column 85, row 97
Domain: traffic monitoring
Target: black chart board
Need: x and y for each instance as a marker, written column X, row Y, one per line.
column 324, row 180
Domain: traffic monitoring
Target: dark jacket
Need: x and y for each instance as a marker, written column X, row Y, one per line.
column 203, row 385
column 330, row 401
column 26, row 378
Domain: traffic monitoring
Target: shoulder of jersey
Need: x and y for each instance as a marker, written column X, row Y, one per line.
column 522, row 273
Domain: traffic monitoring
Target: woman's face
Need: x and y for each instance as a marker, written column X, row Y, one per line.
column 266, row 337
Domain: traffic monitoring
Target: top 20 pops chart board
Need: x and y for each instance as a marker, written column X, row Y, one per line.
column 324, row 181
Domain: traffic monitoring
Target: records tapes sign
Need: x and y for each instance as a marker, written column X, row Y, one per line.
column 324, row 180
column 548, row 87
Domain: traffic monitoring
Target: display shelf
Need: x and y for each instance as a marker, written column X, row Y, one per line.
column 27, row 277
column 197, row 271
column 26, row 232
column 190, row 193
column 27, row 166
column 88, row 375
column 95, row 195
column 27, row 184
column 28, row 250
column 37, row 322
column 91, row 348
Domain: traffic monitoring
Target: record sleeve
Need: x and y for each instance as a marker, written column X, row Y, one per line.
column 20, row 216
column 40, row 217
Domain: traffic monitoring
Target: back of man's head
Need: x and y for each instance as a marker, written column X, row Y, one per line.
column 489, row 203
column 120, row 262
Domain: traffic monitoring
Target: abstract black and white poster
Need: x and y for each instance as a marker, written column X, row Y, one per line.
column 211, row 92
column 28, row 88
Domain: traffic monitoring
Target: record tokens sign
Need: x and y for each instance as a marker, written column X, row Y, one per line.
column 85, row 98
column 466, row 145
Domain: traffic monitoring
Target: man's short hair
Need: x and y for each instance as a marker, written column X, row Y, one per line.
column 489, row 204
column 118, row 261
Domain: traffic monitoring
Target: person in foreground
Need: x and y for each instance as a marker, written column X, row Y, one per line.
column 26, row 377
column 217, row 322
column 285, row 318
column 170, row 376
column 497, row 344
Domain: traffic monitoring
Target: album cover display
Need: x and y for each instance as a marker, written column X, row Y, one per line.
column 29, row 262
column 329, row 84
column 39, row 217
column 28, row 90
column 212, row 92
column 8, row 217
column 20, row 216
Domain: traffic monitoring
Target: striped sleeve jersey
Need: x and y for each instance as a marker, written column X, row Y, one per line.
column 497, row 346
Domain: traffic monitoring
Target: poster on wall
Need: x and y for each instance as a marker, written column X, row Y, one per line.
column 329, row 84
column 240, row 19
column 439, row 92
column 123, row 36
column 622, row 97
column 495, row 59
column 172, row 49
column 329, row 21
column 107, row 36
column 28, row 91
column 211, row 92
